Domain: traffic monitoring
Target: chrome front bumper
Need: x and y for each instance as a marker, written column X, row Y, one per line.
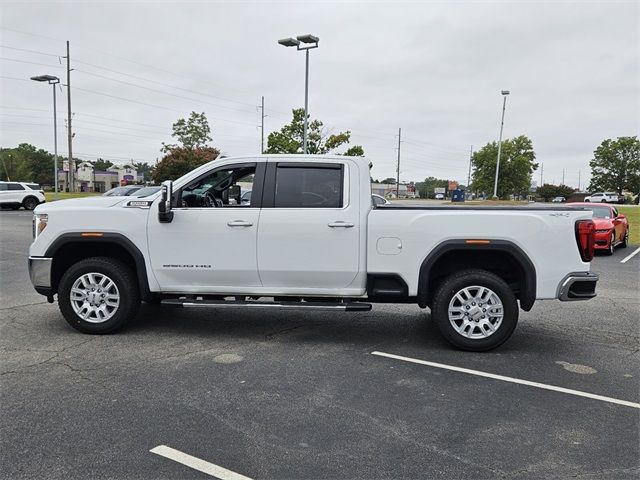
column 578, row 286
column 40, row 272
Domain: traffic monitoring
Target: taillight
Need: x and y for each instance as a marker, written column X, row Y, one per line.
column 585, row 230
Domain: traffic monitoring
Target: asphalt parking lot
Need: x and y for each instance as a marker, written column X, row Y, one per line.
column 291, row 395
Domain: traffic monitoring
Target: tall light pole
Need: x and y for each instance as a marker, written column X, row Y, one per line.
column 309, row 42
column 51, row 80
column 504, row 107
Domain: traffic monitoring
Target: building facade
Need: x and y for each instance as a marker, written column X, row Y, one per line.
column 87, row 179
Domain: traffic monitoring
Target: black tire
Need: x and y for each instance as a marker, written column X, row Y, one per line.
column 127, row 286
column 625, row 240
column 612, row 245
column 586, row 200
column 468, row 278
column 30, row 203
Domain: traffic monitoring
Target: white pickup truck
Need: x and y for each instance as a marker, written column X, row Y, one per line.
column 310, row 238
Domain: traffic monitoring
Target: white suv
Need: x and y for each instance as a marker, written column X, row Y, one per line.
column 17, row 194
column 607, row 197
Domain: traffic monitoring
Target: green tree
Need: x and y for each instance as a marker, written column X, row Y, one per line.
column 616, row 165
column 190, row 152
column 180, row 161
column 26, row 163
column 388, row 180
column 142, row 168
column 101, row 164
column 517, row 163
column 192, row 133
column 549, row 191
column 426, row 189
column 289, row 139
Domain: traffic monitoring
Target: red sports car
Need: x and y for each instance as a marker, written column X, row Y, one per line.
column 612, row 228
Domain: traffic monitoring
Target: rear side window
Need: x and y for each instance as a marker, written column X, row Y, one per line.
column 3, row 187
column 15, row 186
column 309, row 187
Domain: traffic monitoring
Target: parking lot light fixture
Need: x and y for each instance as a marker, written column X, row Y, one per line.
column 303, row 42
column 53, row 81
column 504, row 106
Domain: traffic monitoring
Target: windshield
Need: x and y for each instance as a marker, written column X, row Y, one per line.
column 601, row 212
column 121, row 191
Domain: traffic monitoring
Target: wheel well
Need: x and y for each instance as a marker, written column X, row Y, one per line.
column 72, row 252
column 28, row 197
column 506, row 261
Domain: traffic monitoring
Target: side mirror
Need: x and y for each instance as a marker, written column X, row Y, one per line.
column 621, row 216
column 165, row 215
column 235, row 193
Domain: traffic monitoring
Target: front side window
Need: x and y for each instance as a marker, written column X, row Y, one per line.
column 309, row 187
column 224, row 187
column 33, row 186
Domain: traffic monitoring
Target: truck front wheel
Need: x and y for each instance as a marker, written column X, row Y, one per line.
column 98, row 295
column 475, row 310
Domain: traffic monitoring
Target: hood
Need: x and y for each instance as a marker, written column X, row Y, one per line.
column 78, row 203
column 602, row 223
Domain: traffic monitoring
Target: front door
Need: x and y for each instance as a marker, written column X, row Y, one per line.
column 309, row 233
column 210, row 246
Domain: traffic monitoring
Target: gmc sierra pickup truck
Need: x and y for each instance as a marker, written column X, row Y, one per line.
column 310, row 238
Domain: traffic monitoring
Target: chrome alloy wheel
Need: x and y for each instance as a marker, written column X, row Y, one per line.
column 476, row 312
column 95, row 297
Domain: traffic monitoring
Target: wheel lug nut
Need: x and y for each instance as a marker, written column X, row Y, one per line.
column 473, row 303
column 467, row 307
column 484, row 309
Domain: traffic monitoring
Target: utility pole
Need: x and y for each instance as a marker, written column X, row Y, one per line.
column 398, row 168
column 72, row 182
column 504, row 107
column 579, row 189
column 469, row 174
column 262, row 126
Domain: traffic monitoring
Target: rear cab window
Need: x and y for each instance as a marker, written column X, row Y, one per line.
column 300, row 185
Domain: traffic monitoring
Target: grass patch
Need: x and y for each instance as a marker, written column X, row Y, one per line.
column 50, row 196
column 633, row 215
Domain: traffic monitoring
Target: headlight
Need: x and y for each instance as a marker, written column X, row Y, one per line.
column 39, row 223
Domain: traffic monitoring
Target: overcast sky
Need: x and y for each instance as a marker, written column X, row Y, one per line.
column 434, row 69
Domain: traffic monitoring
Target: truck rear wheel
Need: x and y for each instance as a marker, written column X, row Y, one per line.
column 475, row 310
column 98, row 295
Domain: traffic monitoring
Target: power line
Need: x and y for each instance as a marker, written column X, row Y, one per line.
column 162, row 92
column 30, row 51
column 30, row 63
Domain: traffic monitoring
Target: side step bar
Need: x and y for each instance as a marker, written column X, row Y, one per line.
column 345, row 307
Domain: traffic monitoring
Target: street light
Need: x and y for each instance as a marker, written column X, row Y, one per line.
column 309, row 41
column 504, row 106
column 51, row 80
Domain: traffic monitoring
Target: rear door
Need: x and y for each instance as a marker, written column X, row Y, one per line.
column 309, row 232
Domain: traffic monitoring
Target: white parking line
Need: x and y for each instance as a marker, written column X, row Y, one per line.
column 510, row 379
column 197, row 464
column 628, row 257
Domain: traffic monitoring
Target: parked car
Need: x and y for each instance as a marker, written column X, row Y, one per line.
column 558, row 200
column 379, row 200
column 439, row 196
column 607, row 197
column 313, row 241
column 611, row 227
column 124, row 191
column 20, row 194
column 145, row 191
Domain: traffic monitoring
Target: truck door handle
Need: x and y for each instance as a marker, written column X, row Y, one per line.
column 340, row 224
column 239, row 223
